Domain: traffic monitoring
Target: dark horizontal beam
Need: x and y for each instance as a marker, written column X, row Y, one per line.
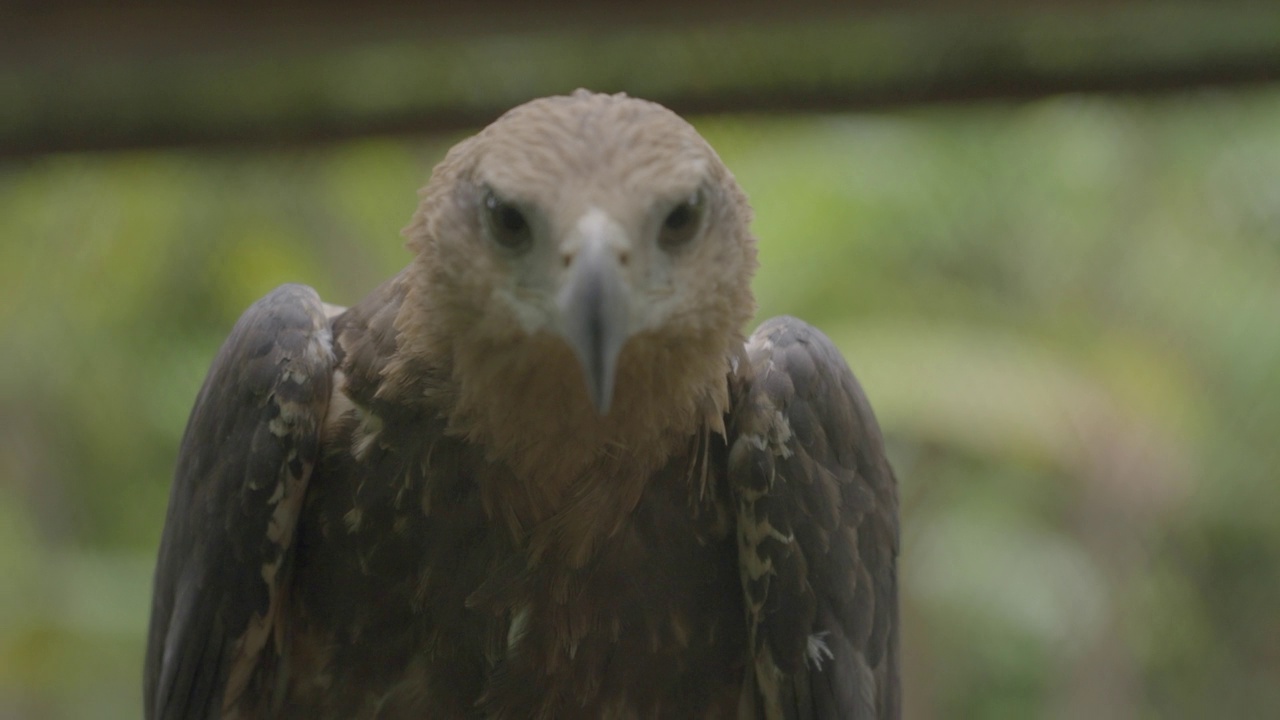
column 289, row 77
column 36, row 30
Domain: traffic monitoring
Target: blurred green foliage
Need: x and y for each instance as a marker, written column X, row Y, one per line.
column 1067, row 315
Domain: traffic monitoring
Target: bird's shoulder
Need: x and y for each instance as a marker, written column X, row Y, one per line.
column 375, row 370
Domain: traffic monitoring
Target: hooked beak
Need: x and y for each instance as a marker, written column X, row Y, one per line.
column 595, row 305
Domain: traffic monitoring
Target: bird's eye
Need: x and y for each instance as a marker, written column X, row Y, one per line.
column 507, row 224
column 681, row 224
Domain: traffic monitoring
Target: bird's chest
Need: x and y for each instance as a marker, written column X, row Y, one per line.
column 411, row 599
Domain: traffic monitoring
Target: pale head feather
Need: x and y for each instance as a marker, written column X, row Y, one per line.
column 489, row 315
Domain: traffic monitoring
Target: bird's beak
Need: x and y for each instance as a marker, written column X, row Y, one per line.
column 594, row 305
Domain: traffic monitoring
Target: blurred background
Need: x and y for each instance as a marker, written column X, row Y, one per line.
column 1046, row 235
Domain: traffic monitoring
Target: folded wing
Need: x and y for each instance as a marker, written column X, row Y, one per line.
column 817, row 516
column 243, row 467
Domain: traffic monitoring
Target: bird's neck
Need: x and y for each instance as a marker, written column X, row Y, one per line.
column 522, row 400
column 527, row 406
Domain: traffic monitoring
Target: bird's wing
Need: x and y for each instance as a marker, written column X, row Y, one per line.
column 243, row 467
column 817, row 519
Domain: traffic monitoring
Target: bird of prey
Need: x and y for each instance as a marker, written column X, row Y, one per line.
column 540, row 473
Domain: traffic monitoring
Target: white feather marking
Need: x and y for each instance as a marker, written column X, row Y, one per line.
column 278, row 495
column 363, row 437
column 519, row 625
column 780, row 435
column 353, row 519
column 817, row 650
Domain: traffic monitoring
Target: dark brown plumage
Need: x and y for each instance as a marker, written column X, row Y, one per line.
column 539, row 473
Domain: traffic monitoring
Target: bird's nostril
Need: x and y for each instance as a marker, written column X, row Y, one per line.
column 623, row 258
column 565, row 259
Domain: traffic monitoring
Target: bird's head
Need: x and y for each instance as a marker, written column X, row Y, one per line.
column 597, row 237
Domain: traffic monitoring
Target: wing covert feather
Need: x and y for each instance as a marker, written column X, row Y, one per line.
column 817, row 531
column 243, row 467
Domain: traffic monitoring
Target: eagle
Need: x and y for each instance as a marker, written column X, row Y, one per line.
column 541, row 473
